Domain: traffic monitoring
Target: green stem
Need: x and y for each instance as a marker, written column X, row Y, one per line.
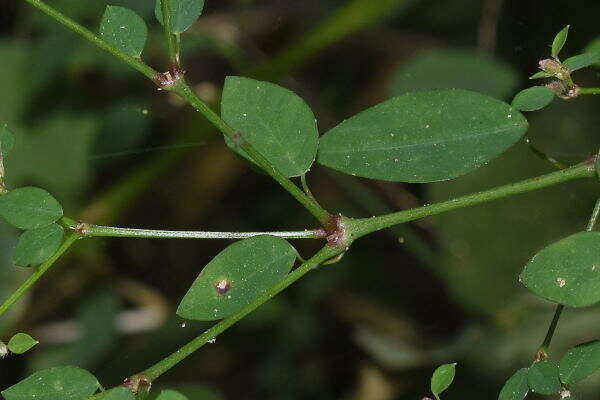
column 110, row 231
column 589, row 90
column 38, row 273
column 86, row 33
column 170, row 361
column 168, row 29
column 594, row 217
column 365, row 226
column 190, row 96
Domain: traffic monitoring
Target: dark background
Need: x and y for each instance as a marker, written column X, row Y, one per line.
column 115, row 151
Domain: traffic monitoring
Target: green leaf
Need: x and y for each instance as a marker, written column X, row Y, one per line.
column 60, row 383
column 276, row 121
column 21, row 343
column 580, row 362
column 119, row 393
column 29, row 208
column 582, row 60
column 455, row 69
column 124, row 29
column 7, row 140
column 170, row 395
column 37, row 245
column 540, row 75
column 516, row 387
column 183, row 13
column 543, row 378
column 568, row 271
column 236, row 276
column 533, row 98
column 559, row 41
column 593, row 47
column 442, row 378
column 423, row 137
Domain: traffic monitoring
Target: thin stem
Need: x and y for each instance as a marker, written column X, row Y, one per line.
column 86, row 33
column 168, row 29
column 557, row 164
column 190, row 96
column 2, row 186
column 39, row 272
column 589, row 90
column 365, row 226
column 110, row 231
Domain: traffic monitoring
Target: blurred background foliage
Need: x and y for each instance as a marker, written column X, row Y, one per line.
column 114, row 150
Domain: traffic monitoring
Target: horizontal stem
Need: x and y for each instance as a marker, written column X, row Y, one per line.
column 365, row 226
column 589, row 90
column 111, row 231
column 38, row 273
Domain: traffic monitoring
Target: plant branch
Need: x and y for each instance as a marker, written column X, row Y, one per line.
column 589, row 90
column 39, row 272
column 364, row 226
column 168, row 28
column 110, row 231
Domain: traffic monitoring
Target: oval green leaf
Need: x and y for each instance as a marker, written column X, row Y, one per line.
column 442, row 378
column 455, row 69
column 533, row 98
column 517, row 387
column 21, row 343
column 183, row 13
column 30, row 208
column 37, row 245
column 582, row 60
column 559, row 41
column 124, row 29
column 60, row 383
column 568, row 271
column 580, row 362
column 542, row 378
column 423, row 137
column 170, row 395
column 275, row 120
column 540, row 75
column 236, row 276
column 7, row 140
column 119, row 393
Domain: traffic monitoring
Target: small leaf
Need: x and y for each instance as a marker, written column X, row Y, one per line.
column 124, row 29
column 516, row 387
column 533, row 98
column 543, row 378
column 274, row 120
column 582, row 60
column 580, row 362
column 37, row 245
column 30, row 208
column 568, row 271
column 119, row 393
column 559, row 41
column 21, row 343
column 540, row 75
column 7, row 140
column 183, row 13
column 442, row 378
column 170, row 395
column 236, row 276
column 423, row 137
column 60, row 383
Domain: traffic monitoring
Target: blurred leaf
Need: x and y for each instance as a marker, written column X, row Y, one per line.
column 516, row 387
column 37, row 245
column 171, row 395
column 410, row 139
column 559, row 41
column 593, row 47
column 543, row 378
column 119, row 393
column 29, row 208
column 580, row 362
column 193, row 392
column 60, row 383
column 7, row 140
column 124, row 29
column 276, row 121
column 442, row 378
column 183, row 13
column 455, row 69
column 568, row 271
column 236, row 276
column 21, row 343
column 533, row 98
column 582, row 60
column 13, row 81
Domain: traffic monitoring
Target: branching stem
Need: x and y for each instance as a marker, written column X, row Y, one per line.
column 589, row 90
